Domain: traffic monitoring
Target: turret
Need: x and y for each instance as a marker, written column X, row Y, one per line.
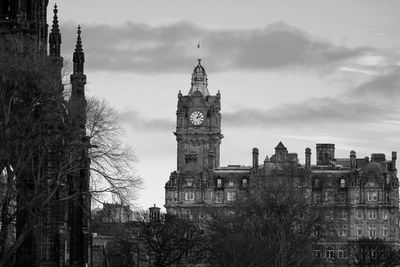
column 55, row 36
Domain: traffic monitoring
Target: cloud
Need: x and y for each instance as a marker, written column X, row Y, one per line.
column 371, row 102
column 168, row 48
column 374, row 102
column 136, row 121
column 382, row 88
column 312, row 111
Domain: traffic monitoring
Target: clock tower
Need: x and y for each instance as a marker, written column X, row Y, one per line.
column 198, row 124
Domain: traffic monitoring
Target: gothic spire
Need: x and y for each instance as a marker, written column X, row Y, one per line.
column 79, row 56
column 55, row 36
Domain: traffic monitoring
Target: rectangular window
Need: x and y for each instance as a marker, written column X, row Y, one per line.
column 372, row 231
column 385, row 230
column 329, row 254
column 342, row 254
column 359, row 214
column 372, row 196
column 317, row 253
column 230, row 196
column 385, row 215
column 219, row 182
column 356, row 197
column 372, row 214
column 189, row 195
column 359, row 230
column 244, row 182
column 342, row 183
column 219, row 198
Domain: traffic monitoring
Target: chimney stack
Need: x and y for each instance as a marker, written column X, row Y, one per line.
column 154, row 214
column 394, row 157
column 353, row 161
column 308, row 158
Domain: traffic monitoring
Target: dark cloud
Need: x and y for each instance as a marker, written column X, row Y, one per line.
column 170, row 48
column 373, row 101
column 382, row 88
column 133, row 119
column 313, row 111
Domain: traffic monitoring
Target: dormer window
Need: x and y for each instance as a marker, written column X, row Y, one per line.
column 219, row 182
column 244, row 182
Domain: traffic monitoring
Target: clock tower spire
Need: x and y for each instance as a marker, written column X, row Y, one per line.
column 199, row 80
column 198, row 129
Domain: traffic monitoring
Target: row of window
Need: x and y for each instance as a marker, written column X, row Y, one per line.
column 371, row 231
column 190, row 195
column 370, row 214
column 340, row 254
column 330, row 196
column 220, row 182
column 342, row 183
column 330, row 253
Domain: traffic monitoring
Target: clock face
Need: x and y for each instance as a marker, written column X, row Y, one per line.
column 196, row 118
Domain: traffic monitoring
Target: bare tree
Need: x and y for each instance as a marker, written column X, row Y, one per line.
column 34, row 161
column 112, row 162
column 272, row 225
column 170, row 240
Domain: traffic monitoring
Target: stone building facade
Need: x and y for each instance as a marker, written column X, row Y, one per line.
column 359, row 195
column 61, row 237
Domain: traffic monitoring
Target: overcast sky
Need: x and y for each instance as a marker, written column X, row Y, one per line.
column 300, row 72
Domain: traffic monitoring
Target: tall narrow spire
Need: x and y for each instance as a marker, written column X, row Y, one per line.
column 79, row 56
column 55, row 36
column 78, row 80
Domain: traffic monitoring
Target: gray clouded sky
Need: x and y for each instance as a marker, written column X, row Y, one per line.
column 299, row 72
